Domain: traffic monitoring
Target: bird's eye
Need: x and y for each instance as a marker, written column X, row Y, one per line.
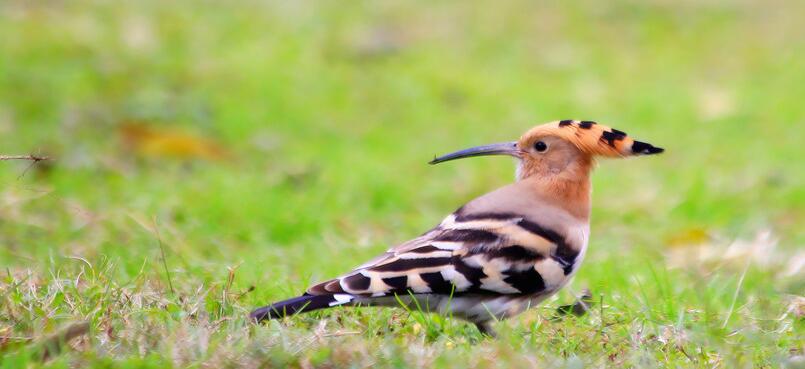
column 540, row 146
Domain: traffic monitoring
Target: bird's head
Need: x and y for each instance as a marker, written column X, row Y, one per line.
column 561, row 148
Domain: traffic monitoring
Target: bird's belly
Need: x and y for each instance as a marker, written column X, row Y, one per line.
column 485, row 308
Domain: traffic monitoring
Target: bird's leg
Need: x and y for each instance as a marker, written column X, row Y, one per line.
column 486, row 329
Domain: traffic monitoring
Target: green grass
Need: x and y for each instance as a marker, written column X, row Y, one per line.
column 328, row 114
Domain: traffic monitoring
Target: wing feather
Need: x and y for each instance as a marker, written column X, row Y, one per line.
column 497, row 253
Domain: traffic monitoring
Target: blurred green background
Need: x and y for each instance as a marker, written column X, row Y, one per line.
column 269, row 145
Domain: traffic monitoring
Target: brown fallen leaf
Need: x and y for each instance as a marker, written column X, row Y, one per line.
column 761, row 251
column 688, row 237
column 160, row 142
column 54, row 344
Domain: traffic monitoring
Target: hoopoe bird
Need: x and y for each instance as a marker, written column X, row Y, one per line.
column 502, row 252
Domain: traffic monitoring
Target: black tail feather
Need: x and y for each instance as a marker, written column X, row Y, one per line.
column 297, row 305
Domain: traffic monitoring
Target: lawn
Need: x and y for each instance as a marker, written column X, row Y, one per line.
column 208, row 158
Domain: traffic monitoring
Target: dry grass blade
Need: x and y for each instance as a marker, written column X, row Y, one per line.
column 34, row 158
column 342, row 333
column 162, row 252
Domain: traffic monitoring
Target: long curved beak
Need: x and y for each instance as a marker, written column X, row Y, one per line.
column 503, row 148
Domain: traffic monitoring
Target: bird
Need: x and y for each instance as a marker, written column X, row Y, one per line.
column 500, row 253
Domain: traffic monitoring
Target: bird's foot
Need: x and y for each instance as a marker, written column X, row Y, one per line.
column 486, row 329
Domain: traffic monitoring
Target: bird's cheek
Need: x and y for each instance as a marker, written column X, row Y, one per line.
column 518, row 172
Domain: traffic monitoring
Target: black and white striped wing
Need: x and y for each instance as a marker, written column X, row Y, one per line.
column 466, row 254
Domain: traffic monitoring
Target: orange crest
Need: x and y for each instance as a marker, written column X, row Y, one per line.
column 592, row 138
